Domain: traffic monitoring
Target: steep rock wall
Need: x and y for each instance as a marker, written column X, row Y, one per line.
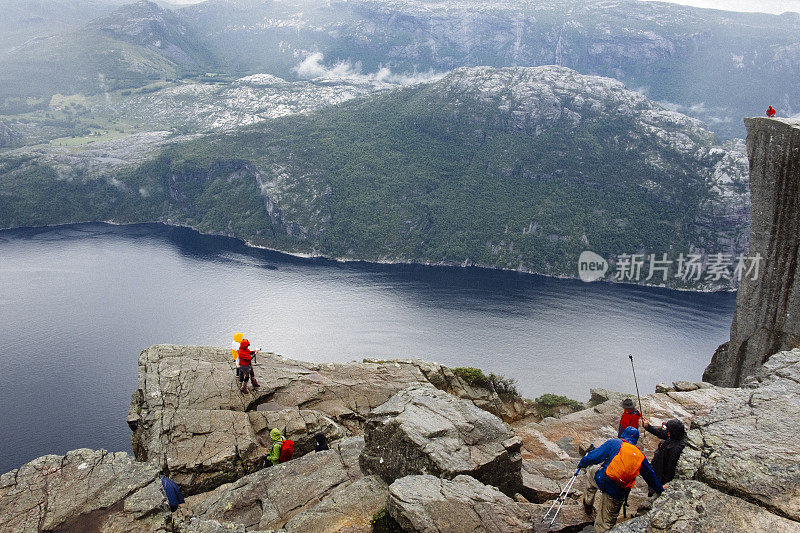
column 767, row 317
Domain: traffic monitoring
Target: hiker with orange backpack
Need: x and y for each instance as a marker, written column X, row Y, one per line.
column 612, row 470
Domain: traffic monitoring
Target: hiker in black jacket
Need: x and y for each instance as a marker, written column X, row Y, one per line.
column 673, row 440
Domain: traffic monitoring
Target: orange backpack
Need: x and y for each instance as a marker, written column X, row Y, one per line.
column 624, row 467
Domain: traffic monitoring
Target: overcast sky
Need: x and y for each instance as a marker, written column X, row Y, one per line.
column 766, row 6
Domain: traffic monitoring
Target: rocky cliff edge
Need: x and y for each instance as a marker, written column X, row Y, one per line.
column 467, row 469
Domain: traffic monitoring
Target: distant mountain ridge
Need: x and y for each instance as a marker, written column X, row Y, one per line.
column 132, row 46
column 714, row 65
column 23, row 21
column 160, row 30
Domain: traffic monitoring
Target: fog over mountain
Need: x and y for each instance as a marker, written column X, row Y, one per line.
column 713, row 65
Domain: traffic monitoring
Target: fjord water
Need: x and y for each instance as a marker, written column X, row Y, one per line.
column 78, row 303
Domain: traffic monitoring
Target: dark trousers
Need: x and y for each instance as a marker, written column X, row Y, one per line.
column 246, row 372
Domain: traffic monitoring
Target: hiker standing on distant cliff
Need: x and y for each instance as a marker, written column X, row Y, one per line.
column 246, row 366
column 673, row 441
column 630, row 416
column 612, row 470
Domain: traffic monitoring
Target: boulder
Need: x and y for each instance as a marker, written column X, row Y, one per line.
column 747, row 444
column 510, row 409
column 347, row 509
column 767, row 316
column 299, row 425
column 80, row 490
column 422, row 430
column 428, row 504
column 691, row 506
column 541, row 480
column 201, row 449
column 195, row 525
column 173, row 377
column 570, row 518
column 293, row 492
column 663, row 387
column 684, row 386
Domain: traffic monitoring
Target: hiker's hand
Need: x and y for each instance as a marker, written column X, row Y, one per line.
column 645, row 423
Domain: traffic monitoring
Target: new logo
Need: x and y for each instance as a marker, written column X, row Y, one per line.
column 591, row 266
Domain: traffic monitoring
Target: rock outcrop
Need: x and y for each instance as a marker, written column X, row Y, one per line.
column 189, row 418
column 81, row 491
column 422, row 430
column 747, row 444
column 428, row 504
column 767, row 317
column 433, row 460
column 323, row 491
column 691, row 506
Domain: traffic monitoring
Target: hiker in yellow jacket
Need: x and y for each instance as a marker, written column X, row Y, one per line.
column 237, row 340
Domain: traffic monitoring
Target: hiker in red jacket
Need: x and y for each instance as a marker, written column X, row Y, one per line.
column 771, row 111
column 246, row 366
column 630, row 416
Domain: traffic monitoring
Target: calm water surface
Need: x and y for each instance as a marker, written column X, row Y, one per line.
column 78, row 303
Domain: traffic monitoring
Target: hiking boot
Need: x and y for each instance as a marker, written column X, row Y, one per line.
column 587, row 508
column 255, row 384
column 244, row 387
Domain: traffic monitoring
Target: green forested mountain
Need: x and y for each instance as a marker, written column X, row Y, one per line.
column 514, row 168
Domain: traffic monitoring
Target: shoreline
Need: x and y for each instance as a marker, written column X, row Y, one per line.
column 344, row 260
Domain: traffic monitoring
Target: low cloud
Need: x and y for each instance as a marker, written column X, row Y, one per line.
column 698, row 108
column 312, row 68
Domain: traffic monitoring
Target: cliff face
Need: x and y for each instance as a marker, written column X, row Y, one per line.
column 767, row 317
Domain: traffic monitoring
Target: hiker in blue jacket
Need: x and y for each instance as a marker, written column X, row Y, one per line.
column 612, row 469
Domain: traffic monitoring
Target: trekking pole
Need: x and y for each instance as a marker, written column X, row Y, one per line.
column 641, row 411
column 562, row 497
